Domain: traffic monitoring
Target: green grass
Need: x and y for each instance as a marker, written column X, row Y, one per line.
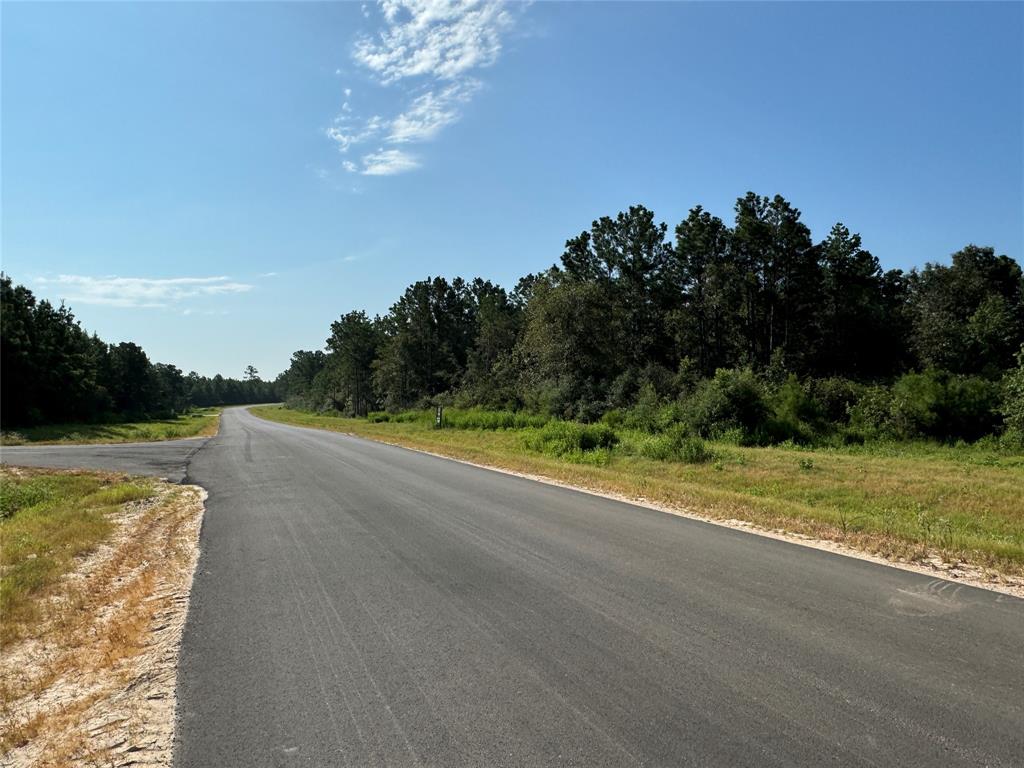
column 907, row 501
column 197, row 423
column 47, row 519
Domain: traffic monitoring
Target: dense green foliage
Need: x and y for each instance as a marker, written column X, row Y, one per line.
column 752, row 332
column 54, row 372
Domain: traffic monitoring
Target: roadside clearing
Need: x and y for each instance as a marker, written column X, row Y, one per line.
column 200, row 422
column 90, row 640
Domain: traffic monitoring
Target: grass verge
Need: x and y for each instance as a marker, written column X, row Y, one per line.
column 201, row 422
column 96, row 569
column 913, row 503
column 47, row 520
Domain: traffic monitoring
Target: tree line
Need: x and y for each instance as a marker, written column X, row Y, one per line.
column 756, row 309
column 53, row 371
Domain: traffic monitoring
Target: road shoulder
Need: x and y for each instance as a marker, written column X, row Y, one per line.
column 96, row 684
column 930, row 565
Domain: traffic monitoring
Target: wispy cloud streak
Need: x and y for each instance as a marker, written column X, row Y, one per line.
column 116, row 291
column 434, row 47
column 388, row 162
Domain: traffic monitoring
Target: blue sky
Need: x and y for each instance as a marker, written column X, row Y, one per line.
column 220, row 181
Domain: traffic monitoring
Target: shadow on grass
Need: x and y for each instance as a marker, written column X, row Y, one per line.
column 201, row 422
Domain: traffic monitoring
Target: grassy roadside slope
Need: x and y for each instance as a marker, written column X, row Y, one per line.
column 202, row 422
column 912, row 503
column 95, row 571
column 48, row 520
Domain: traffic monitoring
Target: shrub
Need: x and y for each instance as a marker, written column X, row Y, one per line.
column 589, row 409
column 19, row 494
column 614, row 418
column 835, row 397
column 969, row 408
column 733, row 399
column 916, row 399
column 647, row 417
column 560, row 438
column 644, row 414
column 797, row 416
column 734, row 436
column 479, row 418
column 695, row 451
column 938, row 404
column 623, row 389
column 661, row 447
column 929, row 404
column 871, row 417
column 676, row 444
column 1012, row 408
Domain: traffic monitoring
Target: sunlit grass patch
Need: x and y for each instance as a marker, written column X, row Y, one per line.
column 200, row 422
column 92, row 614
column 48, row 520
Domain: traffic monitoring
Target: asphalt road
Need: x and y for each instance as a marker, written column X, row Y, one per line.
column 357, row 604
column 164, row 459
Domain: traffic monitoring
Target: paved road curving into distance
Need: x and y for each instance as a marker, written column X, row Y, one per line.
column 358, row 604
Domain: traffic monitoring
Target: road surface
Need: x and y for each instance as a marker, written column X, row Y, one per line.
column 167, row 459
column 358, row 604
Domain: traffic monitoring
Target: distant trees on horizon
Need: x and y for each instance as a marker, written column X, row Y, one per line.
column 629, row 314
column 722, row 322
column 52, row 370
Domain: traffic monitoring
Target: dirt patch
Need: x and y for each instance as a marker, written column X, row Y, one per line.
column 95, row 686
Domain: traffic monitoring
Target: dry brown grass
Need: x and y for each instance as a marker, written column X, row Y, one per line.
column 94, row 678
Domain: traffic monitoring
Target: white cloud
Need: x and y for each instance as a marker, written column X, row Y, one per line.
column 388, row 162
column 443, row 39
column 429, row 113
column 347, row 131
column 435, row 45
column 116, row 291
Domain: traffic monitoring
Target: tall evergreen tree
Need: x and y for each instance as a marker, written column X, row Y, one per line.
column 710, row 287
column 348, row 375
column 628, row 259
column 782, row 281
column 489, row 378
column 853, row 314
column 428, row 333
